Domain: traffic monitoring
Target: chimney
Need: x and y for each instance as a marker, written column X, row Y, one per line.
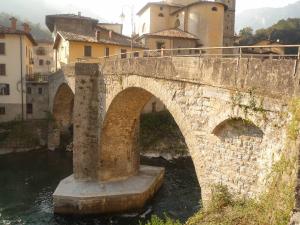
column 13, row 23
column 110, row 34
column 26, row 27
column 98, row 37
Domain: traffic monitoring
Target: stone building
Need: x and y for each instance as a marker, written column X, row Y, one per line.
column 43, row 57
column 16, row 64
column 211, row 22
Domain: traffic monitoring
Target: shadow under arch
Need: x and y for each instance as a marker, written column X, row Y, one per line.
column 118, row 149
column 63, row 106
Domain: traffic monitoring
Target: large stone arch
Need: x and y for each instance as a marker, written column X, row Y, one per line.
column 63, row 106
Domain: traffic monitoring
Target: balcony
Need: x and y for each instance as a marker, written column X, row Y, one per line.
column 37, row 78
column 31, row 61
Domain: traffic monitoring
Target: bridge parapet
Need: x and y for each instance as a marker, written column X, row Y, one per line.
column 270, row 77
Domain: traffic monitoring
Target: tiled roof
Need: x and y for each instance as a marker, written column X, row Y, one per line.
column 116, row 39
column 8, row 30
column 173, row 33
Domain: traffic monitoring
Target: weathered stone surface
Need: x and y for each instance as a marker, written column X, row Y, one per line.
column 91, row 197
column 232, row 113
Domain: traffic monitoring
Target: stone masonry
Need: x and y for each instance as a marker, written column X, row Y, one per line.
column 232, row 112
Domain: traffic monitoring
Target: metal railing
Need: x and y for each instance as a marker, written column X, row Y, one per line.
column 262, row 51
column 37, row 77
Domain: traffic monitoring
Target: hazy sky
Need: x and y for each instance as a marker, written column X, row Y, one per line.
column 111, row 9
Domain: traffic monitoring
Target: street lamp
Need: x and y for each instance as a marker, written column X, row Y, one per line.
column 123, row 17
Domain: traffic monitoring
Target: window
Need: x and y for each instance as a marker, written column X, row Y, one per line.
column 2, row 36
column 161, row 8
column 214, row 9
column 144, row 28
column 4, row 89
column 160, row 45
column 2, row 48
column 40, row 90
column 123, row 53
column 161, row 15
column 136, row 54
column 41, row 51
column 2, row 69
column 87, row 51
column 107, row 52
column 41, row 62
column 29, row 90
column 48, row 63
column 2, row 110
column 29, row 108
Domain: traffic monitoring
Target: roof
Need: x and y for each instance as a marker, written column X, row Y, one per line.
column 117, row 39
column 157, row 3
column 8, row 30
column 173, row 33
column 201, row 2
column 51, row 18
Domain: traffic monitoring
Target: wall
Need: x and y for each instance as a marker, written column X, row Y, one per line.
column 206, row 24
column 40, row 102
column 13, row 70
column 48, row 57
column 233, row 125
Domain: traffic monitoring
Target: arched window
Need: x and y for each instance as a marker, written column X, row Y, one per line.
column 177, row 23
column 214, row 9
column 144, row 28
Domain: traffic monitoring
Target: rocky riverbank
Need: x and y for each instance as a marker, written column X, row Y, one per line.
column 23, row 136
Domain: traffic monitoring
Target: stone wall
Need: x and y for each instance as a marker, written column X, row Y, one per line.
column 39, row 98
column 205, row 107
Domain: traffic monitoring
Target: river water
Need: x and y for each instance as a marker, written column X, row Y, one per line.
column 27, row 181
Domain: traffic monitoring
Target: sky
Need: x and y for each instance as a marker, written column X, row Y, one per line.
column 111, row 9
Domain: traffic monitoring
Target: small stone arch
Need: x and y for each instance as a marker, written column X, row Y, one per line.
column 63, row 105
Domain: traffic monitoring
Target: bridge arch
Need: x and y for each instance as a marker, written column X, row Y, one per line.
column 63, row 105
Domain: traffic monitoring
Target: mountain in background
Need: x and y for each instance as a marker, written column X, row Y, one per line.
column 38, row 32
column 266, row 17
column 33, row 12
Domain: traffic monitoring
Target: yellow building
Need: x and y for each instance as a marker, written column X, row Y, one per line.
column 211, row 22
column 71, row 47
column 16, row 63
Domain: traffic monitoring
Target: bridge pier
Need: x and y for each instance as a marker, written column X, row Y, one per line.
column 105, row 180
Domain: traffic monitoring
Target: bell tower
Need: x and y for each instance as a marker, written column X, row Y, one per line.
column 229, row 22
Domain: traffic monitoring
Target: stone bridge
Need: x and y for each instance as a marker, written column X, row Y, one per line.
column 232, row 113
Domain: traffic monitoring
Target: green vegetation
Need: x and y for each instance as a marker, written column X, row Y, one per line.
column 293, row 129
column 274, row 207
column 18, row 134
column 155, row 220
column 285, row 31
column 36, row 30
column 159, row 132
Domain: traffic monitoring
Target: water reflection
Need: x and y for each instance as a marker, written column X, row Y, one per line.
column 27, row 181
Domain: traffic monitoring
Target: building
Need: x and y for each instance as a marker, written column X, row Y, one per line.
column 82, row 38
column 270, row 50
column 211, row 22
column 43, row 58
column 16, row 63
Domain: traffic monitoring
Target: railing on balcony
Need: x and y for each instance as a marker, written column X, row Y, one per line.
column 263, row 51
column 37, row 77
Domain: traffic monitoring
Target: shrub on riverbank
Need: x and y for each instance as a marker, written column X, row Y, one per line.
column 160, row 133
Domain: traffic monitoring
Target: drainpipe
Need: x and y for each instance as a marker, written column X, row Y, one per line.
column 21, row 63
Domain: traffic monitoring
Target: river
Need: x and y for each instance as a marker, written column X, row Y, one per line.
column 27, row 181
